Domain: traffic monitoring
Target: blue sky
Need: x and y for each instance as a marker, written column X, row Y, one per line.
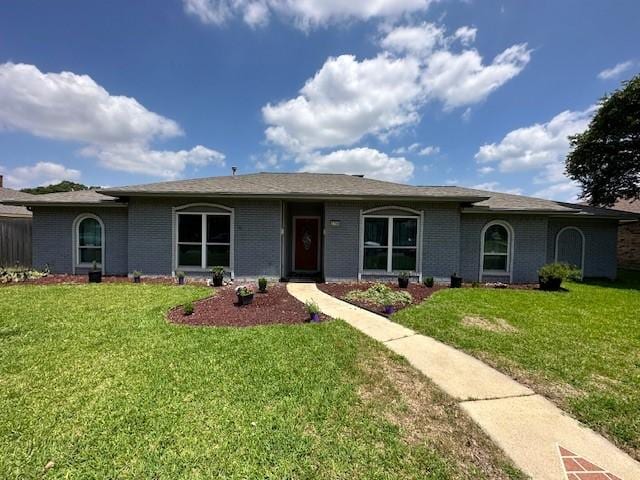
column 448, row 92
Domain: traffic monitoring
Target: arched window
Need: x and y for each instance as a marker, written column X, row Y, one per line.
column 497, row 239
column 89, row 241
column 570, row 247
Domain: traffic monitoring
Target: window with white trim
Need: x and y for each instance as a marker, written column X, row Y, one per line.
column 89, row 241
column 496, row 248
column 204, row 240
column 390, row 243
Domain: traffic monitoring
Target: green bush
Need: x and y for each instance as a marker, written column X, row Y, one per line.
column 559, row 271
column 428, row 282
column 312, row 307
column 187, row 308
column 380, row 294
column 262, row 284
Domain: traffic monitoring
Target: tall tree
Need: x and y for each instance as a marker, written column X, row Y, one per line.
column 64, row 186
column 605, row 159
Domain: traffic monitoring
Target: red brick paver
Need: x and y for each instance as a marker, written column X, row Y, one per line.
column 579, row 468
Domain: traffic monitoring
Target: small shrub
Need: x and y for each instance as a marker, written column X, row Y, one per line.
column 20, row 274
column 180, row 274
column 428, row 282
column 187, row 308
column 136, row 273
column 380, row 294
column 560, row 271
column 262, row 284
column 475, row 284
column 403, row 275
column 218, row 272
column 312, row 307
column 94, row 266
column 244, row 291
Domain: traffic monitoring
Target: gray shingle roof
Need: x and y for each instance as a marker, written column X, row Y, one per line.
column 7, row 194
column 79, row 197
column 324, row 185
column 289, row 185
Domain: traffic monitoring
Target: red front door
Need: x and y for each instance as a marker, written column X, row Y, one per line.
column 306, row 244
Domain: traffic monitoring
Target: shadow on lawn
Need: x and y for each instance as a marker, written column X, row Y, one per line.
column 627, row 280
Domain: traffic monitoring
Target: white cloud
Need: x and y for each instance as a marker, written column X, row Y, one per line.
column 535, row 146
column 429, row 150
column 367, row 161
column 616, row 70
column 460, row 79
column 161, row 163
column 117, row 130
column 485, row 170
column 417, row 40
column 495, row 187
column 42, row 173
column 542, row 148
column 267, row 161
column 466, row 35
column 564, row 192
column 304, row 14
column 348, row 99
column 486, row 186
column 345, row 101
column 66, row 106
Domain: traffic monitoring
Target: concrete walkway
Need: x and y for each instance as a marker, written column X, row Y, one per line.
column 542, row 440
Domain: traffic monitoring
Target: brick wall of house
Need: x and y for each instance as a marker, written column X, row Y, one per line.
column 629, row 246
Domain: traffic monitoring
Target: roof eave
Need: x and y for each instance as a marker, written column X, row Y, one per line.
column 305, row 196
column 68, row 204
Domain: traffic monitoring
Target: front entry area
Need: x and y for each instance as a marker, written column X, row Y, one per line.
column 302, row 246
column 306, row 244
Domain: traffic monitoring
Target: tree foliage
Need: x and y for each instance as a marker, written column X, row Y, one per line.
column 64, row 186
column 605, row 159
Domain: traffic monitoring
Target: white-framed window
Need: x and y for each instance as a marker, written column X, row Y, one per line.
column 496, row 248
column 203, row 239
column 88, row 241
column 390, row 242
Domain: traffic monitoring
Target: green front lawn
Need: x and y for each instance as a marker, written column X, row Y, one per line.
column 581, row 347
column 94, row 383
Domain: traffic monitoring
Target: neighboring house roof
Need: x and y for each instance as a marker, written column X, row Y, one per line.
column 7, row 194
column 632, row 206
column 78, row 197
column 307, row 185
column 323, row 186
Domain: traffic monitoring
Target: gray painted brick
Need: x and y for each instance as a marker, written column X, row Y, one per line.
column 53, row 234
column 530, row 246
column 256, row 232
column 601, row 237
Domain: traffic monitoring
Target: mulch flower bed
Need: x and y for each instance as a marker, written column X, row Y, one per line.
column 418, row 292
column 276, row 306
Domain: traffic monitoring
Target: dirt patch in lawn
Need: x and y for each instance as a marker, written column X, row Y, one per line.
column 499, row 325
column 418, row 293
column 276, row 306
column 425, row 414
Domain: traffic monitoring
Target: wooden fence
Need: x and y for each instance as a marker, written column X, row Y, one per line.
column 15, row 241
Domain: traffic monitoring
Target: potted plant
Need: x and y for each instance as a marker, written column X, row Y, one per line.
column 217, row 276
column 136, row 276
column 262, row 285
column 180, row 277
column 95, row 274
column 428, row 282
column 245, row 294
column 403, row 279
column 551, row 276
column 313, row 309
column 456, row 281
